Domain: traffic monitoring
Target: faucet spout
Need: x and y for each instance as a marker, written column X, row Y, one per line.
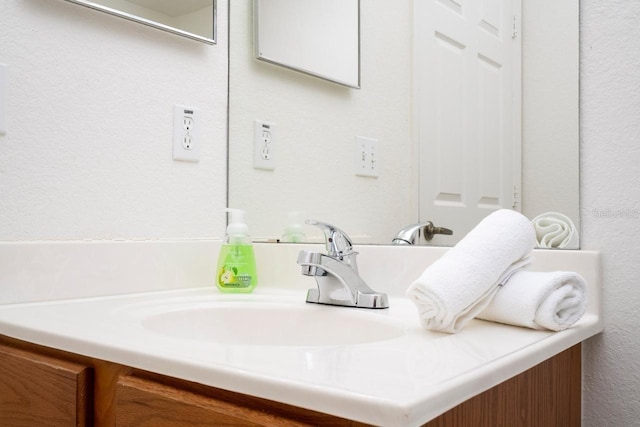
column 338, row 283
column 336, row 273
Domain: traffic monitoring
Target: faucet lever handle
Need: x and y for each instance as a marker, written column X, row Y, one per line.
column 338, row 242
column 430, row 230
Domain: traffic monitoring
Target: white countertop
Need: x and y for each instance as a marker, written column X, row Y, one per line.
column 405, row 380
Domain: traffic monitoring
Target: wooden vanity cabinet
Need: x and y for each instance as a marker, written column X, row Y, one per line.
column 41, row 386
column 547, row 395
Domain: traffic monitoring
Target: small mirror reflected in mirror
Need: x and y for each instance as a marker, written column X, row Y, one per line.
column 195, row 19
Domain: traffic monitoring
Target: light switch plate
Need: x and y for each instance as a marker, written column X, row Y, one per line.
column 4, row 88
column 366, row 157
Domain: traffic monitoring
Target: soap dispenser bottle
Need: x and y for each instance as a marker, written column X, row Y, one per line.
column 237, row 263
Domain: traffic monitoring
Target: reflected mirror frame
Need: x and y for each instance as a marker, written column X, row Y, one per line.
column 256, row 43
column 154, row 24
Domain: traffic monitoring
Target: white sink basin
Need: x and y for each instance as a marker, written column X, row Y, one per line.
column 270, row 323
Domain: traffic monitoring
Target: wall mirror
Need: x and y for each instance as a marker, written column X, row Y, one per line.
column 320, row 38
column 195, row 19
column 317, row 124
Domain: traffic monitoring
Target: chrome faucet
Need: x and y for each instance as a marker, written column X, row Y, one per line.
column 408, row 235
column 336, row 273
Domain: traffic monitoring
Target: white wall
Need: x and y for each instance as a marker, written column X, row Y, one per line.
column 610, row 154
column 87, row 154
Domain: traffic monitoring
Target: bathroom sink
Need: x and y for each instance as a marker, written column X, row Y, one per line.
column 270, row 323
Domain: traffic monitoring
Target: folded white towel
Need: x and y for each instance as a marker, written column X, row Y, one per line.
column 555, row 230
column 552, row 300
column 461, row 283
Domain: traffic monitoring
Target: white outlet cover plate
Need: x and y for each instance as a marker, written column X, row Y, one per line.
column 180, row 132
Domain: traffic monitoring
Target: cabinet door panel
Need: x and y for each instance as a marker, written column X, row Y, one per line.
column 146, row 402
column 37, row 390
column 140, row 402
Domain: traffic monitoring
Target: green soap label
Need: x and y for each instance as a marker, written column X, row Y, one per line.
column 230, row 277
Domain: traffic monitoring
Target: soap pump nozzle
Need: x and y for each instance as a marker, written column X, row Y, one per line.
column 237, row 229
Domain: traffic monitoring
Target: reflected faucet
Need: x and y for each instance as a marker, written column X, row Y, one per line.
column 408, row 235
column 336, row 273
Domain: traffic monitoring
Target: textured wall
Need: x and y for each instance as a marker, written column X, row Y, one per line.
column 610, row 153
column 88, row 149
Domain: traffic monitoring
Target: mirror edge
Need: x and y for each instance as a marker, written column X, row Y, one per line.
column 154, row 24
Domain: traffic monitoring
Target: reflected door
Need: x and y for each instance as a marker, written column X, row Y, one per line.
column 467, row 110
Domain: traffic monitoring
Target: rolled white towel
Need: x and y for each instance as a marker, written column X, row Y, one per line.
column 539, row 300
column 555, row 230
column 461, row 283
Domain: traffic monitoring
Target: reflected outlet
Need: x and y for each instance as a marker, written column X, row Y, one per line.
column 264, row 135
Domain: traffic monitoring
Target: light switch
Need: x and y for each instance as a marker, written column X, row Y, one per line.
column 3, row 99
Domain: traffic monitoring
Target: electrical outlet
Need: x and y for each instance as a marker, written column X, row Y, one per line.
column 264, row 138
column 186, row 137
column 366, row 157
